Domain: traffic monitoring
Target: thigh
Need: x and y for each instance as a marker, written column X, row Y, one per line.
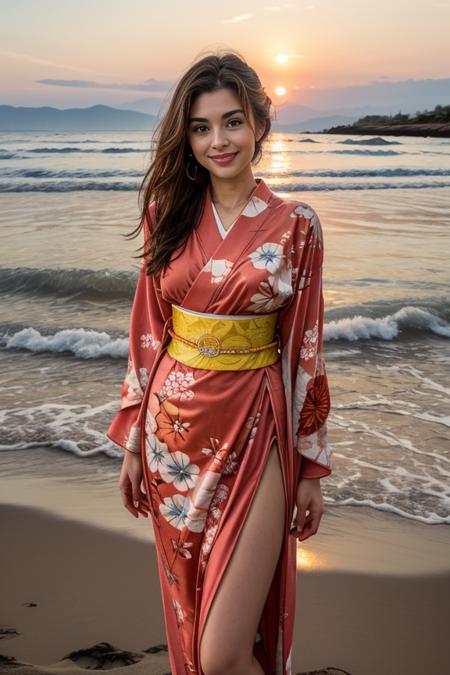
column 237, row 606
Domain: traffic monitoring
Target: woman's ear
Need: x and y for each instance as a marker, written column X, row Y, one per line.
column 259, row 133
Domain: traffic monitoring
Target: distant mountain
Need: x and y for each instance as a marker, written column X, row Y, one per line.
column 149, row 106
column 290, row 118
column 106, row 118
column 95, row 118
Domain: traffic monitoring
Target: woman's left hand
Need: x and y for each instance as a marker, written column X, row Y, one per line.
column 309, row 498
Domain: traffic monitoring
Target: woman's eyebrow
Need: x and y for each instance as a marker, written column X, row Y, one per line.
column 225, row 115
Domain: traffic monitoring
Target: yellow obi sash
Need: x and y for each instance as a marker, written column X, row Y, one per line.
column 223, row 341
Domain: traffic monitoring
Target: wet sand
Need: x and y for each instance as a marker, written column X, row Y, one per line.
column 373, row 593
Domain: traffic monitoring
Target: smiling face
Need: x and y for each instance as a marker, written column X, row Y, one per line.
column 218, row 126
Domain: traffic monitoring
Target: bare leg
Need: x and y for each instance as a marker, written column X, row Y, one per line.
column 229, row 633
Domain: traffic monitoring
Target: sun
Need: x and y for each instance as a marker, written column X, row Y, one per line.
column 280, row 91
column 281, row 58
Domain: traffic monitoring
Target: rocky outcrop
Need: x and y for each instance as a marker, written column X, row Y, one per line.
column 436, row 129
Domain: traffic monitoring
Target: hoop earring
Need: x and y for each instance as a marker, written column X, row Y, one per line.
column 187, row 169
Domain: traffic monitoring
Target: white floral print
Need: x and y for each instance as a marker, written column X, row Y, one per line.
column 150, row 423
column 178, row 611
column 176, row 468
column 315, row 446
column 171, row 576
column 143, row 377
column 156, row 452
column 177, row 385
column 310, row 214
column 182, row 548
column 135, row 384
column 269, row 256
column 231, row 465
column 172, row 510
column 205, row 488
column 212, row 521
column 219, row 269
column 194, row 518
column 303, row 209
column 252, row 424
column 148, row 340
column 273, row 292
column 180, row 512
column 310, row 341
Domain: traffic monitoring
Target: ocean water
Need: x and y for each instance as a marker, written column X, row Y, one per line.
column 67, row 277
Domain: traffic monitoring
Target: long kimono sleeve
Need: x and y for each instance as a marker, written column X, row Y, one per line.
column 148, row 315
column 301, row 333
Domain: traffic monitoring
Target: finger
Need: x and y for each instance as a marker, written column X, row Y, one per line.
column 142, row 510
column 142, row 497
column 311, row 527
column 133, row 498
column 140, row 500
column 132, row 510
column 127, row 500
column 301, row 516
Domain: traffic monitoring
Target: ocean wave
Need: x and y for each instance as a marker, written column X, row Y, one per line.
column 396, row 172
column 92, row 344
column 71, row 173
column 82, row 343
column 77, row 429
column 69, row 186
column 330, row 187
column 23, row 152
column 72, row 141
column 368, row 173
column 108, row 285
column 328, row 151
column 119, row 186
column 401, row 323
column 69, row 282
column 69, row 149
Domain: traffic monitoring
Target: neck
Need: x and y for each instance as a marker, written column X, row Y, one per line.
column 230, row 194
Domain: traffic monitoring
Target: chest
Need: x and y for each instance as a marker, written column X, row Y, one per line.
column 232, row 270
column 224, row 221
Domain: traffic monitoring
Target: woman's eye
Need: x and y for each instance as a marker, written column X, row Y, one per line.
column 203, row 126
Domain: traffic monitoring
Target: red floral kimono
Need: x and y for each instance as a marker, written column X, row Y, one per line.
column 204, row 435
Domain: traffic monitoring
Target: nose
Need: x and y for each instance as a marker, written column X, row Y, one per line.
column 219, row 139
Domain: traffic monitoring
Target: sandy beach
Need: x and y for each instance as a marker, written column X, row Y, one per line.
column 78, row 570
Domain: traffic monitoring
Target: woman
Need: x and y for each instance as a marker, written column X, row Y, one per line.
column 224, row 405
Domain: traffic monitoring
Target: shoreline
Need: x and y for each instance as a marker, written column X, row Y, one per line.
column 87, row 492
column 375, row 584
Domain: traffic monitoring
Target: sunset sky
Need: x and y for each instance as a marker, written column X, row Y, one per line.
column 113, row 51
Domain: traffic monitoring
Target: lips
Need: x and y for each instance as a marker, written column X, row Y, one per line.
column 224, row 159
column 227, row 156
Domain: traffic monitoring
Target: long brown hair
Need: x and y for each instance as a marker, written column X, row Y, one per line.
column 179, row 199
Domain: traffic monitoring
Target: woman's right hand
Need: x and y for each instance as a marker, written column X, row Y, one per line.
column 130, row 485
